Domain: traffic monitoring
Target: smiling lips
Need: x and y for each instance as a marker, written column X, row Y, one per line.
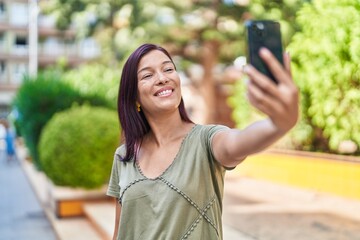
column 163, row 93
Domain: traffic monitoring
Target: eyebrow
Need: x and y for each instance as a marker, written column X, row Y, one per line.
column 163, row 63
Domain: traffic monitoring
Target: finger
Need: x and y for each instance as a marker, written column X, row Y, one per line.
column 281, row 94
column 263, row 101
column 275, row 67
column 287, row 63
column 260, row 106
column 262, row 81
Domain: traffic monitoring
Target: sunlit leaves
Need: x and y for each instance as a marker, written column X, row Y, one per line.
column 326, row 55
column 95, row 79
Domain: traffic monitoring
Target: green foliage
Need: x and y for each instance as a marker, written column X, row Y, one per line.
column 38, row 99
column 77, row 146
column 326, row 56
column 96, row 80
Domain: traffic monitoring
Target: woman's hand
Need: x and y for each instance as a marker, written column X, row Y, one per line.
column 279, row 102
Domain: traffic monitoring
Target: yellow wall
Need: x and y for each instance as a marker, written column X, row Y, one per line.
column 324, row 175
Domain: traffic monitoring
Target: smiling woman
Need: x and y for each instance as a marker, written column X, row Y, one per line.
column 168, row 176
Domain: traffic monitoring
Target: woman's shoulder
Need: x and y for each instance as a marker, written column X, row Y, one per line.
column 204, row 132
column 209, row 128
column 120, row 151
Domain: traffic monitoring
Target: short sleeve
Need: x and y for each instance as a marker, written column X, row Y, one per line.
column 114, row 186
column 209, row 134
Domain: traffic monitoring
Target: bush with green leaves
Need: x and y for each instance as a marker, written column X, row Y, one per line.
column 77, row 146
column 38, row 99
column 326, row 56
column 95, row 79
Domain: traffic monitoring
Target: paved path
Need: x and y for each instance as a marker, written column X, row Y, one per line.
column 261, row 210
column 22, row 217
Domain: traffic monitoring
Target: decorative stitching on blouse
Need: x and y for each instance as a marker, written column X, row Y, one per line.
column 196, row 222
column 128, row 186
column 187, row 198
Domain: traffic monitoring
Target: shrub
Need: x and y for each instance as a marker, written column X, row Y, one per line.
column 77, row 146
column 95, row 79
column 38, row 99
column 326, row 57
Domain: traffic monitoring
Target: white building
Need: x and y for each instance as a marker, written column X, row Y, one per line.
column 52, row 45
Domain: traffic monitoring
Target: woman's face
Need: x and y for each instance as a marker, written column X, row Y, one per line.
column 158, row 83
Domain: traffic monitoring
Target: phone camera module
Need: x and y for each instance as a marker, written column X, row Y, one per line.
column 259, row 29
column 260, row 26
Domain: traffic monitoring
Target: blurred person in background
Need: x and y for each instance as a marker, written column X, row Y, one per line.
column 9, row 138
column 168, row 176
column 2, row 138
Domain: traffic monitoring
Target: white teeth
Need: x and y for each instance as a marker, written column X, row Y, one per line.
column 164, row 92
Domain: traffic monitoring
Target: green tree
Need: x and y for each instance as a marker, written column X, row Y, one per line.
column 326, row 56
column 95, row 80
column 205, row 32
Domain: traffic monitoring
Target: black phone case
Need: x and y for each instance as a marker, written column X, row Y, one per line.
column 263, row 33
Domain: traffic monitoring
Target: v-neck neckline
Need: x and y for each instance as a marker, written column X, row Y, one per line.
column 173, row 161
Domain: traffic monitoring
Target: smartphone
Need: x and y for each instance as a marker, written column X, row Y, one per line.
column 263, row 33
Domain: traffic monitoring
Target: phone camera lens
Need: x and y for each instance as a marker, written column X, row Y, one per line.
column 259, row 29
column 260, row 26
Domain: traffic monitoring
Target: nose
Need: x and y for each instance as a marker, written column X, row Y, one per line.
column 161, row 79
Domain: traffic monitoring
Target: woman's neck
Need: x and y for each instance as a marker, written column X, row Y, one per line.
column 165, row 130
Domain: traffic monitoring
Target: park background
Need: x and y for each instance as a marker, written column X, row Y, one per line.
column 60, row 71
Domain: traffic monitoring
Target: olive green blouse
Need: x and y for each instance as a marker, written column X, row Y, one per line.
column 184, row 202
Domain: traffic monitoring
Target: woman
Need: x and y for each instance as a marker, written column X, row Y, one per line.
column 168, row 177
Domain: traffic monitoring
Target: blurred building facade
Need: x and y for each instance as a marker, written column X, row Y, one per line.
column 51, row 45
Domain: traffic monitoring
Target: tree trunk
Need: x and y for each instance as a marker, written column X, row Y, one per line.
column 209, row 57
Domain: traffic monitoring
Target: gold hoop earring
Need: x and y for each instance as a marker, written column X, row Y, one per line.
column 138, row 107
